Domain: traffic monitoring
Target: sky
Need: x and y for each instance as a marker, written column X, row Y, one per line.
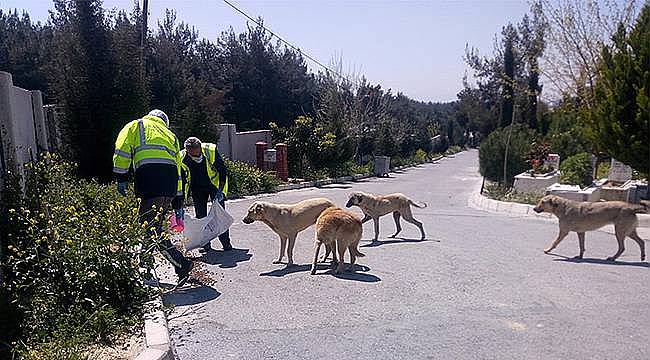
column 413, row 47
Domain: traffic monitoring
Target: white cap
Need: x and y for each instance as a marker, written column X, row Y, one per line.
column 160, row 114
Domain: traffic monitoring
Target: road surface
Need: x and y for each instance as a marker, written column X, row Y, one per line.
column 479, row 287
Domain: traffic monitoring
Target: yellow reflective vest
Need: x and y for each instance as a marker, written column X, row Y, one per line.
column 210, row 153
column 147, row 141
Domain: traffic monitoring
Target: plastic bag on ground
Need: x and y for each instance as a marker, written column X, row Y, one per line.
column 199, row 232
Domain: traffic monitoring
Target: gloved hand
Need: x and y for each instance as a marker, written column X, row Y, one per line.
column 180, row 214
column 121, row 187
column 220, row 196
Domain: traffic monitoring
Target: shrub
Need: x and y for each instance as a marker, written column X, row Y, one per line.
column 454, row 149
column 576, row 170
column 72, row 266
column 498, row 192
column 492, row 153
column 420, row 156
column 244, row 179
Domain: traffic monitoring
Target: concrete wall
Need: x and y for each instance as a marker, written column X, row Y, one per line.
column 240, row 146
column 22, row 125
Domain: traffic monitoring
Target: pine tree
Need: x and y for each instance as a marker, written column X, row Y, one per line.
column 620, row 120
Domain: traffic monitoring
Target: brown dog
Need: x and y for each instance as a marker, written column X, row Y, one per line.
column 375, row 206
column 587, row 216
column 340, row 230
column 287, row 220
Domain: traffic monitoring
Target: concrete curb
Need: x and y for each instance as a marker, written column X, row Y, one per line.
column 319, row 183
column 480, row 202
column 156, row 331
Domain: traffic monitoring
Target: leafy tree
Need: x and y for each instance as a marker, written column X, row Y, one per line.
column 621, row 117
column 492, row 152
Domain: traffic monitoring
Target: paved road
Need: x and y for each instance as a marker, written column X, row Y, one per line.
column 479, row 287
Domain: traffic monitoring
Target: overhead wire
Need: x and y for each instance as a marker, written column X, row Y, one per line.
column 287, row 43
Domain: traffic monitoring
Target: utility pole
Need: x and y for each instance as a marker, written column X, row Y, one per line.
column 143, row 40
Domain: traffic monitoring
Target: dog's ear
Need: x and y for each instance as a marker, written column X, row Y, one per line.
column 258, row 208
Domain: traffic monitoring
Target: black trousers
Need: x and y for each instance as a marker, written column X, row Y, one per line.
column 200, row 198
column 148, row 213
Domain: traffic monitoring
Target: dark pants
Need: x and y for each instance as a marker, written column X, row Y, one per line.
column 200, row 198
column 148, row 214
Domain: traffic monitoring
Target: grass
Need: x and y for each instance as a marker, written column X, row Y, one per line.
column 500, row 193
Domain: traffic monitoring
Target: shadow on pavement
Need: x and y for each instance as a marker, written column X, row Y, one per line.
column 190, row 295
column 356, row 275
column 336, row 186
column 396, row 241
column 225, row 259
column 602, row 261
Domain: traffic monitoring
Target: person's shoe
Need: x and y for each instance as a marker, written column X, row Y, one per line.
column 226, row 246
column 184, row 275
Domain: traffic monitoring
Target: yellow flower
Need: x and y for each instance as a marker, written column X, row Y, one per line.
column 68, row 241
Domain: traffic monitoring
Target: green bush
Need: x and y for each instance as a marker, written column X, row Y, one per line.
column 454, row 149
column 72, row 262
column 492, row 153
column 420, row 156
column 244, row 180
column 498, row 192
column 576, row 170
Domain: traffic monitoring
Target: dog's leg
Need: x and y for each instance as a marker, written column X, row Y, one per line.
column 292, row 242
column 398, row 226
column 341, row 248
column 328, row 250
column 376, row 221
column 366, row 217
column 639, row 241
column 353, row 256
column 283, row 246
column 581, row 242
column 620, row 238
column 408, row 216
column 316, row 251
column 563, row 233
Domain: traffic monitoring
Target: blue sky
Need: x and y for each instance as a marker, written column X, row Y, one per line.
column 415, row 47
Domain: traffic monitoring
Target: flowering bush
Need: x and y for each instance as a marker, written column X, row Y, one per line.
column 71, row 260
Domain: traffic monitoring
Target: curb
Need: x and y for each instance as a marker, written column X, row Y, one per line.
column 319, row 183
column 156, row 331
column 480, row 202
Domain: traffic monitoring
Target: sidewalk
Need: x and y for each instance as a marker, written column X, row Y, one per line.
column 480, row 202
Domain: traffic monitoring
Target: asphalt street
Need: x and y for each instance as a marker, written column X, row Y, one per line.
column 479, row 287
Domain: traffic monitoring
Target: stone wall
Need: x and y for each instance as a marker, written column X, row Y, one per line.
column 23, row 130
column 240, row 146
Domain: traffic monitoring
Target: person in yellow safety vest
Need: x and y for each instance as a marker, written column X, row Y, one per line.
column 205, row 176
column 152, row 151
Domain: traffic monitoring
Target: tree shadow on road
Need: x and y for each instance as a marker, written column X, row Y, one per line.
column 191, row 295
column 335, row 186
column 396, row 241
column 602, row 261
column 356, row 275
column 225, row 259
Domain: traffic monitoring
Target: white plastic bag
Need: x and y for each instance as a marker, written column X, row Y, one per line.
column 201, row 231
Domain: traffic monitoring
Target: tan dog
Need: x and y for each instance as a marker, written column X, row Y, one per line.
column 287, row 220
column 375, row 206
column 340, row 230
column 587, row 216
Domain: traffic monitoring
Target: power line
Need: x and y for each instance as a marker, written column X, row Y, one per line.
column 286, row 42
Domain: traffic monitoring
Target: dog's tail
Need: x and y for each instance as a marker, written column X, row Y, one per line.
column 644, row 207
column 421, row 206
column 358, row 253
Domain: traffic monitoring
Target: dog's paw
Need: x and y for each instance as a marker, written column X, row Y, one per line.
column 548, row 250
column 277, row 261
column 578, row 257
column 611, row 258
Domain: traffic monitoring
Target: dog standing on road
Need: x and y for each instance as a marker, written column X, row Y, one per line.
column 287, row 220
column 340, row 230
column 588, row 216
column 375, row 206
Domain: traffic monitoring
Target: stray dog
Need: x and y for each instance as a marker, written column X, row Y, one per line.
column 375, row 206
column 287, row 220
column 340, row 230
column 587, row 216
